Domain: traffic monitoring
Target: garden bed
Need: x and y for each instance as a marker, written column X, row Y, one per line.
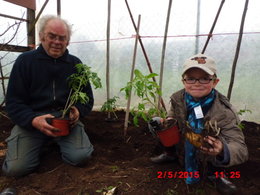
column 122, row 162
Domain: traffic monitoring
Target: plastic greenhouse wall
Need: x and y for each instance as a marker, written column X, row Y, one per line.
column 88, row 42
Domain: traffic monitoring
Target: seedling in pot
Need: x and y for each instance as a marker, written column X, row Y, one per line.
column 77, row 82
column 149, row 92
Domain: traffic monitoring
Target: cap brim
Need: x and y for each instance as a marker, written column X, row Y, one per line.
column 205, row 69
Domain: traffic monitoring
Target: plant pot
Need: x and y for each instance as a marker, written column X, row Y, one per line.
column 169, row 136
column 62, row 124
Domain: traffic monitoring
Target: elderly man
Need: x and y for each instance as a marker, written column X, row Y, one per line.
column 37, row 90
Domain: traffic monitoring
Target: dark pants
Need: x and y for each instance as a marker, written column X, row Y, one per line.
column 24, row 147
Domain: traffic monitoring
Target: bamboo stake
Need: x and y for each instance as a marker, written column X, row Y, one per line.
column 237, row 50
column 108, row 54
column 213, row 26
column 132, row 75
column 142, row 47
column 164, row 49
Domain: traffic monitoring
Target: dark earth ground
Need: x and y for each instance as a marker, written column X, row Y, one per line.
column 123, row 163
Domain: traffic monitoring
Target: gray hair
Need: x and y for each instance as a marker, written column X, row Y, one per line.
column 45, row 19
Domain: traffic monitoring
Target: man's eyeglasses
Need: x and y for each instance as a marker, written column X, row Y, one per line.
column 54, row 37
column 201, row 80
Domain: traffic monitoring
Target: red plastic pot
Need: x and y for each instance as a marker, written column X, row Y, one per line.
column 63, row 126
column 170, row 136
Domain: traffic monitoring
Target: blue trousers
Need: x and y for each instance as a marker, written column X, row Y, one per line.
column 24, row 148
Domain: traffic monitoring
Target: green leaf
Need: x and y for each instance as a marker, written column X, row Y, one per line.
column 135, row 121
column 144, row 116
column 138, row 73
column 141, row 106
column 151, row 75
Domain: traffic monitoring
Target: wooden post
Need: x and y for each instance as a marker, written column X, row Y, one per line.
column 31, row 28
column 237, row 50
column 197, row 28
column 32, row 25
column 164, row 49
column 58, row 8
column 213, row 26
column 108, row 54
column 131, row 76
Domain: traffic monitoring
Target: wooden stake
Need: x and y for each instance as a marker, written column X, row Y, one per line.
column 132, row 75
column 108, row 54
column 213, row 26
column 163, row 50
column 58, row 8
column 237, row 50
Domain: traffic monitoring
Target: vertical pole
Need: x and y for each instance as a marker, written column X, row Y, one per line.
column 213, row 26
column 31, row 28
column 131, row 76
column 31, row 24
column 108, row 53
column 58, row 8
column 197, row 28
column 163, row 50
column 237, row 50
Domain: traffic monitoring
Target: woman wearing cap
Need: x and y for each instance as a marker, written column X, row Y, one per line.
column 201, row 110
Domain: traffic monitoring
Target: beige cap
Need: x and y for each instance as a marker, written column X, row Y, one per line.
column 201, row 61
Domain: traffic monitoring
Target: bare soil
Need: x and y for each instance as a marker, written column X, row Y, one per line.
column 124, row 163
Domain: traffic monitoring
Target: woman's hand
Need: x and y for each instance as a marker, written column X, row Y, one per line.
column 216, row 146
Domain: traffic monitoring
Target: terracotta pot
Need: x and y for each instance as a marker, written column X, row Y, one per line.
column 62, row 124
column 170, row 136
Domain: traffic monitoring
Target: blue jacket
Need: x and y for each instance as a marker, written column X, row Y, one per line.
column 38, row 84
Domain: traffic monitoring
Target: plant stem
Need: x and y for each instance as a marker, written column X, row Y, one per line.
column 66, row 105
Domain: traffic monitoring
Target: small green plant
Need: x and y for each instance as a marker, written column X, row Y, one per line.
column 241, row 112
column 114, row 168
column 110, row 106
column 105, row 189
column 148, row 91
column 77, row 82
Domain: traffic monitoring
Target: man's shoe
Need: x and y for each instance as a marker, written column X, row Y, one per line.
column 223, row 185
column 163, row 158
column 9, row 191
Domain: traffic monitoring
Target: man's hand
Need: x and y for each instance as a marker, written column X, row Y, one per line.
column 42, row 125
column 74, row 115
column 216, row 146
